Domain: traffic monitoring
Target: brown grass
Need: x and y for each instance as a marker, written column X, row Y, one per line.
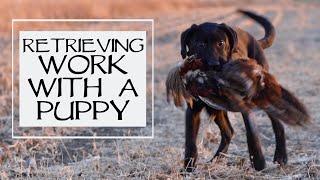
column 294, row 59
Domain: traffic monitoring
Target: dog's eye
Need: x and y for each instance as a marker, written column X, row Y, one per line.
column 220, row 43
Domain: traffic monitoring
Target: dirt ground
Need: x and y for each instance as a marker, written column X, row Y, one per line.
column 294, row 59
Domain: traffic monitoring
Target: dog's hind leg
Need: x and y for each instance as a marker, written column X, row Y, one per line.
column 254, row 147
column 192, row 127
column 226, row 130
column 280, row 155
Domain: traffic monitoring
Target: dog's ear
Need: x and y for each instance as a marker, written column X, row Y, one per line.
column 184, row 40
column 232, row 37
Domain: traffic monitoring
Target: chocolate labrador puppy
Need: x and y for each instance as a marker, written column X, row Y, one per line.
column 215, row 44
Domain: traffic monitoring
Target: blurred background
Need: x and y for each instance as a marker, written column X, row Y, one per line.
column 294, row 60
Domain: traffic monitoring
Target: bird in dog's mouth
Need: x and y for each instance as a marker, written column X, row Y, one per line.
column 240, row 86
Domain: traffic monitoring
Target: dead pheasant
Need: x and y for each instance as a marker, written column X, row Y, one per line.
column 240, row 86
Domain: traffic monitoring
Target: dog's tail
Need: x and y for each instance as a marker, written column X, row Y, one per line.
column 175, row 88
column 288, row 109
column 269, row 29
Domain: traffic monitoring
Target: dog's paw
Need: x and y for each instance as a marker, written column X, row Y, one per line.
column 280, row 158
column 259, row 163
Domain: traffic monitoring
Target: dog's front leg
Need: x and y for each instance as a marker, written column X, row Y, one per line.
column 192, row 127
column 254, row 147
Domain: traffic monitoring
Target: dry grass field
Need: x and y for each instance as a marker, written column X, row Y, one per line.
column 294, row 59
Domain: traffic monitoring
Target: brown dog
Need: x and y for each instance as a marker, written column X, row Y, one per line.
column 216, row 44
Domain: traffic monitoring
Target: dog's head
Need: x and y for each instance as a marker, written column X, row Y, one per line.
column 213, row 43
